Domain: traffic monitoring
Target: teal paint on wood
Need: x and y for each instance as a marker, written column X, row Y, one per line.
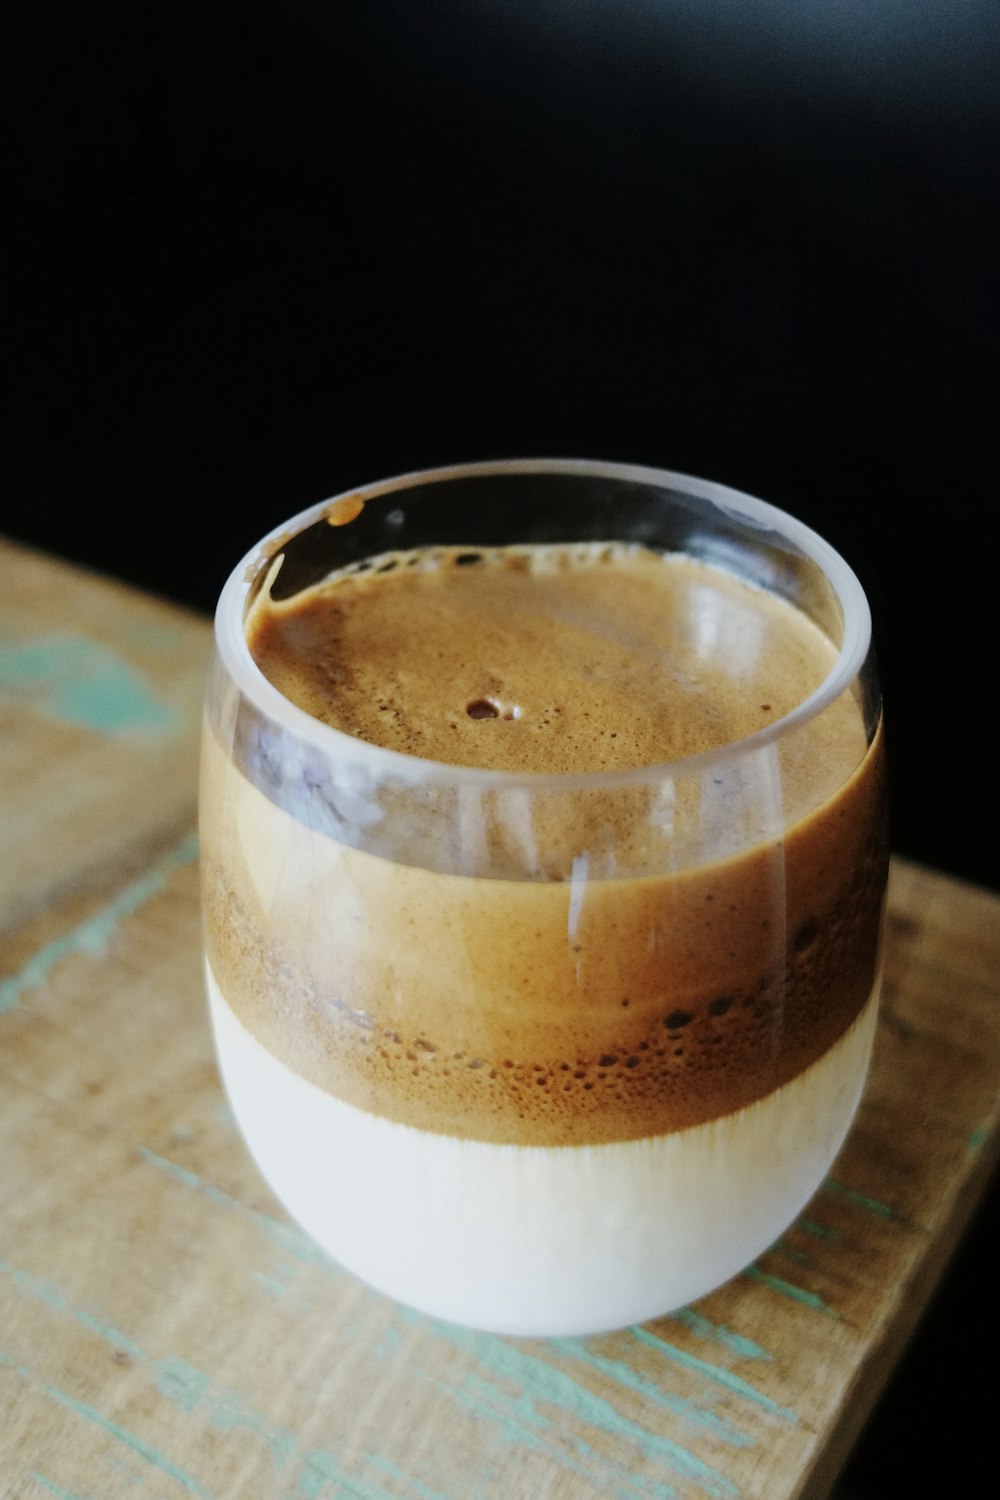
column 96, row 934
column 54, row 1489
column 557, row 1386
column 129, row 1474
column 718, row 1333
column 181, row 1383
column 412, row 1486
column 288, row 1236
column 44, row 1290
column 788, row 1289
column 112, row 1429
column 194, row 1392
column 81, row 682
column 783, row 1246
column 516, row 1421
column 690, row 1412
column 860, row 1200
column 716, row 1374
column 543, row 1381
column 321, row 1468
column 818, row 1231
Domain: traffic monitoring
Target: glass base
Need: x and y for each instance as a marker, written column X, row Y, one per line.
column 540, row 1241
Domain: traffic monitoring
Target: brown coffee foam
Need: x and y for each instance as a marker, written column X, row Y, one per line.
column 572, row 659
column 463, row 1006
column 490, row 1009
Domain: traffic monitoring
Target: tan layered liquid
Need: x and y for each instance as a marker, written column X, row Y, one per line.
column 609, row 984
column 541, row 1013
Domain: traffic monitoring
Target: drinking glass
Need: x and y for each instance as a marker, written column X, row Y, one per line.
column 546, row 1053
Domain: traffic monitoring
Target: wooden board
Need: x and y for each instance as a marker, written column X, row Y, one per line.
column 166, row 1332
column 100, row 694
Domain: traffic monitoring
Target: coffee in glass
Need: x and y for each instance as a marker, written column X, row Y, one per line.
column 544, row 859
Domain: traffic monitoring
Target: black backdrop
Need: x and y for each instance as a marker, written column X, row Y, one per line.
column 260, row 252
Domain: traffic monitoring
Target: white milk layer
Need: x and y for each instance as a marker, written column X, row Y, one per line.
column 540, row 1240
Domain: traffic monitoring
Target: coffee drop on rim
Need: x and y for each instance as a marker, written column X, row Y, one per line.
column 341, row 512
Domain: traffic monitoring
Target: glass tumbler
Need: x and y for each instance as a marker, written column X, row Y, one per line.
column 550, row 1052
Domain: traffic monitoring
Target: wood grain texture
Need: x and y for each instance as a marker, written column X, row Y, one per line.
column 100, row 695
column 166, row 1332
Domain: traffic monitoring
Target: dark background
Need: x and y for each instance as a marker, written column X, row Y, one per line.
column 258, row 253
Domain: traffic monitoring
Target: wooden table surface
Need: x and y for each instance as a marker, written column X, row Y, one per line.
column 166, row 1332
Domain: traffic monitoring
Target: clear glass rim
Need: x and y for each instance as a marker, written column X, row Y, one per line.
column 235, row 654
